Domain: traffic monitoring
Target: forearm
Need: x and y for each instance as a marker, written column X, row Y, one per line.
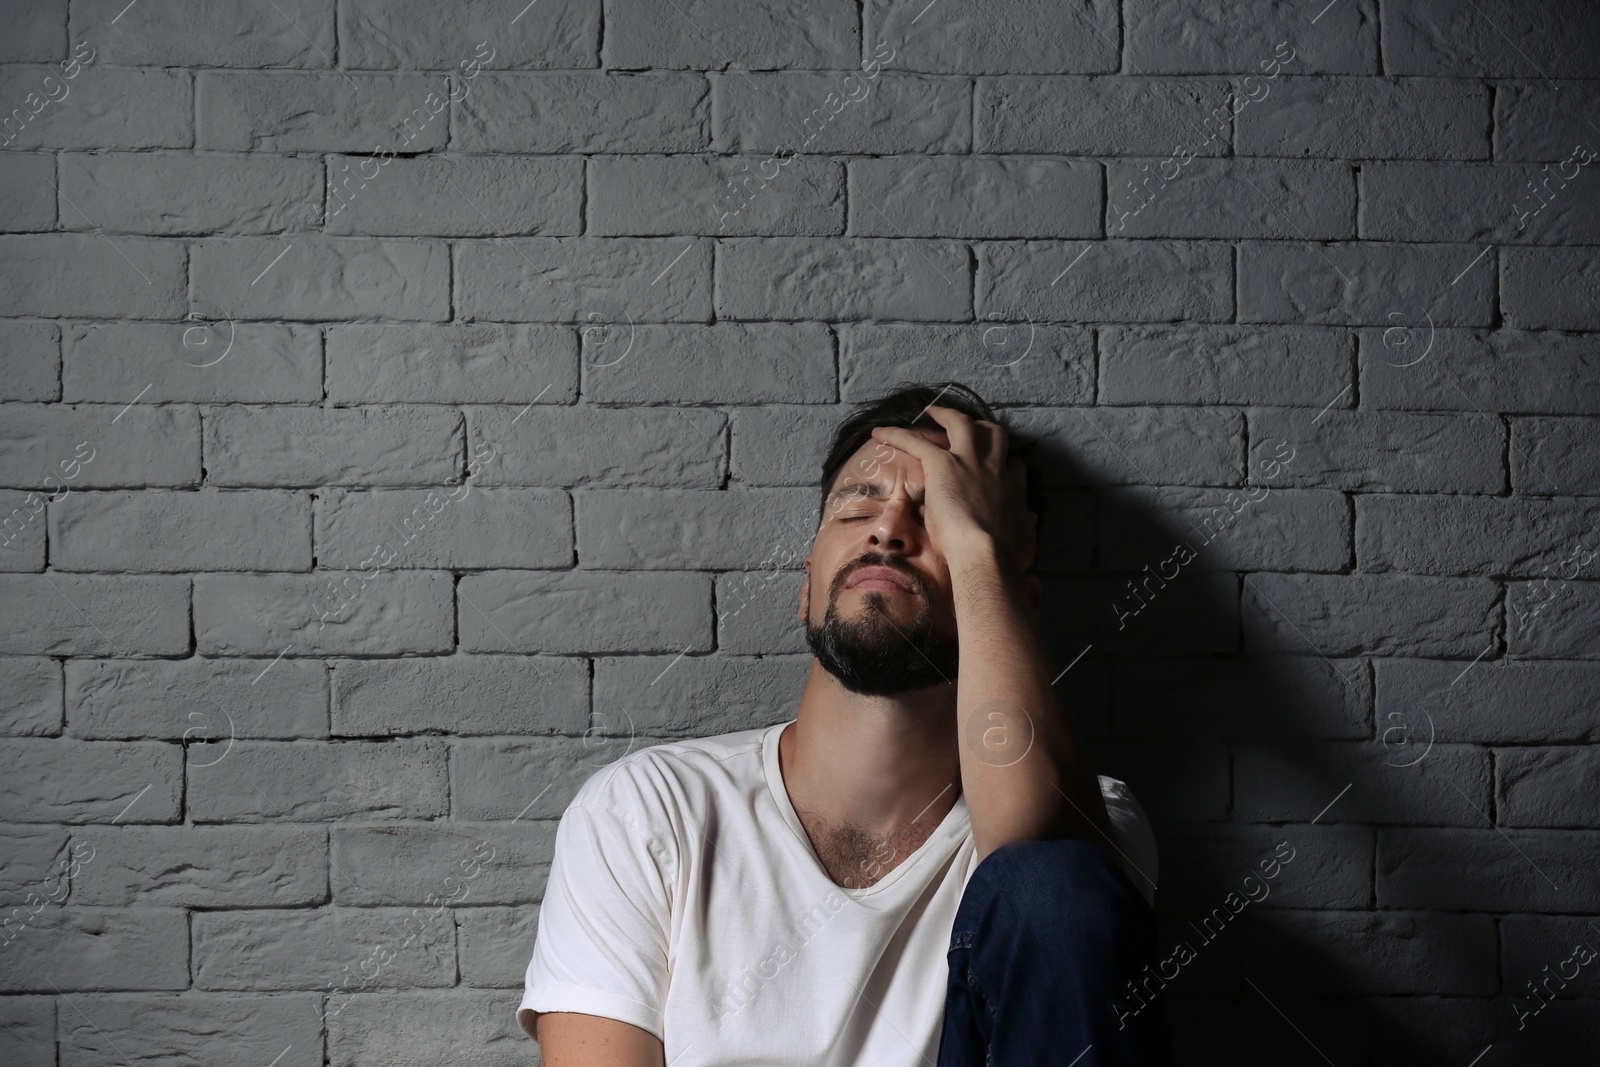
column 1004, row 704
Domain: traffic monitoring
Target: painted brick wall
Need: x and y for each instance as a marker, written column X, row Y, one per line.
column 405, row 413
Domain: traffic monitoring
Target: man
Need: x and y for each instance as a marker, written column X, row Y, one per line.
column 921, row 864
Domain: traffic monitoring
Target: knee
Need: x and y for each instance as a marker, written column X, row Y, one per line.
column 1041, row 862
column 1040, row 881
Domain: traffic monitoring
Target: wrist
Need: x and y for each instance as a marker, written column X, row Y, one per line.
column 981, row 553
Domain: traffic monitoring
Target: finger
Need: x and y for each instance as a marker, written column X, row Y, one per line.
column 1016, row 479
column 1002, row 439
column 958, row 425
column 993, row 443
column 911, row 443
column 1024, row 519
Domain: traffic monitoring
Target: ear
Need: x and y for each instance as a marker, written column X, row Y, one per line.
column 805, row 594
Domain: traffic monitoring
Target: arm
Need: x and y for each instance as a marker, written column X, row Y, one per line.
column 1051, row 791
column 598, row 977
column 974, row 515
column 571, row 1039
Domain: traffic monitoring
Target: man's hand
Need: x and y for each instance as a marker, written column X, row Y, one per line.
column 974, row 490
column 976, row 516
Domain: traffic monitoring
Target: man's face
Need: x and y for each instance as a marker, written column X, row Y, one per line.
column 876, row 601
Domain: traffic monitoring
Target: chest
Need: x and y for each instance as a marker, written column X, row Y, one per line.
column 855, row 858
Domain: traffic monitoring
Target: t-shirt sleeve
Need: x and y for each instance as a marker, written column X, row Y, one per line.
column 601, row 946
column 1135, row 840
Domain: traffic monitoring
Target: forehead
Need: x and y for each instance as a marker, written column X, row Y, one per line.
column 873, row 468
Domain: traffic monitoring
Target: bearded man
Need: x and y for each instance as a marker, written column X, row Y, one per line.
column 921, row 867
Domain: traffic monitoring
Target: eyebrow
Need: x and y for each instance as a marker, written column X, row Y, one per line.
column 859, row 490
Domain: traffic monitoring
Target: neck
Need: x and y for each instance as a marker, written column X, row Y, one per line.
column 874, row 762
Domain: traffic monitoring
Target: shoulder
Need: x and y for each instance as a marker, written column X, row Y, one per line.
column 655, row 788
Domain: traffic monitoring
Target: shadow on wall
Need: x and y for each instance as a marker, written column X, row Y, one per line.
column 1330, row 887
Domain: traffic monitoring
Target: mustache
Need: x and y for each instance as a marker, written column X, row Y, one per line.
column 878, row 559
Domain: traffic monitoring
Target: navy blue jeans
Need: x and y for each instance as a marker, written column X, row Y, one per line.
column 1046, row 938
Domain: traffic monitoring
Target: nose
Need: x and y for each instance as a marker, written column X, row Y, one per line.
column 895, row 528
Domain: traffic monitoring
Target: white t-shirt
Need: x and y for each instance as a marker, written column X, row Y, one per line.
column 685, row 898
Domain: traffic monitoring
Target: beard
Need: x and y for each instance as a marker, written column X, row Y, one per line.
column 871, row 654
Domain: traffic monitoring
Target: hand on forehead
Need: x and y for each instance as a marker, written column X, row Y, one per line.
column 933, row 433
column 1015, row 469
column 936, row 434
